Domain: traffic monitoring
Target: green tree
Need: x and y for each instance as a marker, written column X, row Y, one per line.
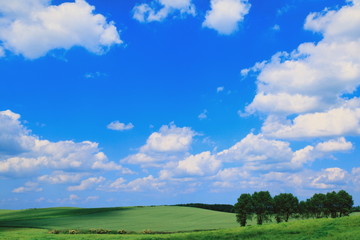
column 263, row 206
column 303, row 209
column 285, row 204
column 244, row 208
column 317, row 205
column 345, row 203
column 332, row 204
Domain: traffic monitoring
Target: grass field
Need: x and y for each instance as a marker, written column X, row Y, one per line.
column 159, row 218
column 30, row 224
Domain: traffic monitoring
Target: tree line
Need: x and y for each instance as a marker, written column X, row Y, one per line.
column 285, row 205
column 215, row 207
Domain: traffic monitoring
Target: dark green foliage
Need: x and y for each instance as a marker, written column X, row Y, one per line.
column 355, row 209
column 285, row 204
column 316, row 205
column 216, row 207
column 244, row 209
column 345, row 203
column 263, row 206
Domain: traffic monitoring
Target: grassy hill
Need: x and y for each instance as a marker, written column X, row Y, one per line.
column 33, row 224
column 159, row 218
column 321, row 229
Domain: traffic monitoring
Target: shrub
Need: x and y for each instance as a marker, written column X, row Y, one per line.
column 147, row 231
column 73, row 231
column 102, row 231
column 54, row 231
column 122, row 231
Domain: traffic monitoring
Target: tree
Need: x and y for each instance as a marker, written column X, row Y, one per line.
column 332, row 204
column 244, row 209
column 303, row 209
column 345, row 203
column 285, row 204
column 316, row 205
column 263, row 206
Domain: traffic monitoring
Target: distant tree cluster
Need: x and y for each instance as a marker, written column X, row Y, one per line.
column 281, row 207
column 215, row 207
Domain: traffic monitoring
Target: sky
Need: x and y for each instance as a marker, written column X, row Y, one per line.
column 152, row 102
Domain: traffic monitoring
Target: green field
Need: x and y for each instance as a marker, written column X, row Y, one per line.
column 33, row 224
column 159, row 218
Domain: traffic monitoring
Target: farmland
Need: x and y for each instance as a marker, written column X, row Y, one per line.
column 35, row 224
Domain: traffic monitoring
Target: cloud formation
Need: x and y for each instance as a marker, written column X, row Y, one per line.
column 159, row 10
column 33, row 28
column 23, row 153
column 225, row 15
column 168, row 144
column 315, row 81
column 118, row 126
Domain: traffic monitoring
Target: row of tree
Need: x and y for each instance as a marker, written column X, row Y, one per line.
column 285, row 205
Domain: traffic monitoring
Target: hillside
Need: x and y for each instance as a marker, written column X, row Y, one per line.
column 321, row 229
column 159, row 218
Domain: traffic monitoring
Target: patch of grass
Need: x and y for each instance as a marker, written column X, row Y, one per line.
column 158, row 219
column 323, row 229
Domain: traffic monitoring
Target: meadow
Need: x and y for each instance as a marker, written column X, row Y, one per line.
column 36, row 223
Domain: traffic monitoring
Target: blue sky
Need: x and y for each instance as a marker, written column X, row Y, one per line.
column 120, row 103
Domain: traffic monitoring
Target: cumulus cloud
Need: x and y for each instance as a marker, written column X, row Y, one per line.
column 136, row 185
column 202, row 164
column 33, row 28
column 169, row 139
column 170, row 143
column 310, row 83
column 335, row 122
column 24, row 153
column 59, row 177
column 255, row 148
column 225, row 15
column 159, row 10
column 329, row 178
column 86, row 184
column 339, row 144
column 29, row 187
column 118, row 126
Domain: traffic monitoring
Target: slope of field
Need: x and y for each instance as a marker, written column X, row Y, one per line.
column 322, row 229
column 159, row 218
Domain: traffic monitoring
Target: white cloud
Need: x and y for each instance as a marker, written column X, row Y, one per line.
column 225, row 15
column 310, row 82
column 276, row 28
column 59, row 177
column 219, row 89
column 199, row 165
column 335, row 122
column 169, row 144
column 136, row 185
column 329, row 178
column 169, row 139
column 256, row 148
column 29, row 187
column 22, row 153
column 86, row 184
column 333, row 145
column 33, row 28
column 203, row 115
column 159, row 10
column 118, row 126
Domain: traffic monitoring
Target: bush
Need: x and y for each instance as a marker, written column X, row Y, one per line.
column 147, row 231
column 54, row 231
column 102, row 231
column 73, row 231
column 122, row 231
